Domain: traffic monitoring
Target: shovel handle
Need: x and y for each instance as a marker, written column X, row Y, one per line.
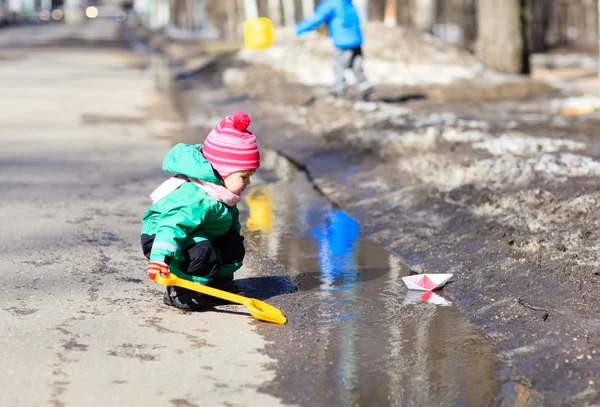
column 171, row 279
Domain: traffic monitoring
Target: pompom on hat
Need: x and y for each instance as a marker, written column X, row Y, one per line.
column 230, row 147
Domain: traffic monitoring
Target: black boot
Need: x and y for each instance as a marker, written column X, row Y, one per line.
column 184, row 299
column 226, row 283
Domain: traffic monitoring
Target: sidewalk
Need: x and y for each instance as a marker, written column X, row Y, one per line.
column 84, row 133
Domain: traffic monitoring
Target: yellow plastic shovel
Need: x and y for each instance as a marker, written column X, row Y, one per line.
column 258, row 309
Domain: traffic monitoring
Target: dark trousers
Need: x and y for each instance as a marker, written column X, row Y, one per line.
column 202, row 259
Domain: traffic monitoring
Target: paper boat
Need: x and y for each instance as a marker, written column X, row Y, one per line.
column 426, row 282
column 415, row 297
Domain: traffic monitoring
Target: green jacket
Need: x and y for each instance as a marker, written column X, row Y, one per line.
column 188, row 215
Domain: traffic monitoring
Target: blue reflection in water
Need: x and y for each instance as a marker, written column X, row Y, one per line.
column 337, row 242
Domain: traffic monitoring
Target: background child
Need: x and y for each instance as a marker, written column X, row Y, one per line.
column 192, row 228
column 344, row 29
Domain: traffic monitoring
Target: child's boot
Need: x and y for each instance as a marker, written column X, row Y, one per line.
column 184, row 299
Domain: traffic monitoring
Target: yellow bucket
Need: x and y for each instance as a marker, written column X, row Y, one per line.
column 258, row 33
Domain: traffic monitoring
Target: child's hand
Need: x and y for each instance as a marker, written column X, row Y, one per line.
column 155, row 267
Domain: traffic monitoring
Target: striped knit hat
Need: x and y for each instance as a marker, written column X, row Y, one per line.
column 230, row 147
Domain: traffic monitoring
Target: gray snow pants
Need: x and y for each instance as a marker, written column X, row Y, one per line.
column 349, row 58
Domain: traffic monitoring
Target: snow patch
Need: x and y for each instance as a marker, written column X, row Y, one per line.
column 454, row 135
column 566, row 165
column 522, row 144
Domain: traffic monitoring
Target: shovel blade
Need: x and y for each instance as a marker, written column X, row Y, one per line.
column 264, row 312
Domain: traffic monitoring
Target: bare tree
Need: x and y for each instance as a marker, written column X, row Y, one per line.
column 375, row 9
column 289, row 13
column 541, row 17
column 250, row 9
column 403, row 13
column 502, row 35
column 308, row 6
column 424, row 14
column 362, row 7
column 275, row 12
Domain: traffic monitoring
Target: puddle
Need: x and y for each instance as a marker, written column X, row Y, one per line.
column 355, row 335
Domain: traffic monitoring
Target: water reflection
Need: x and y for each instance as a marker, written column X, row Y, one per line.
column 370, row 342
column 415, row 297
column 337, row 239
column 260, row 203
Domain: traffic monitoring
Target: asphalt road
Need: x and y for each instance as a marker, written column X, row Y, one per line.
column 82, row 135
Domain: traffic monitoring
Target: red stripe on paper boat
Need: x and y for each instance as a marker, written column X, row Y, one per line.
column 426, row 282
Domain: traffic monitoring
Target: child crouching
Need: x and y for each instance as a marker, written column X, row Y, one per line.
column 192, row 228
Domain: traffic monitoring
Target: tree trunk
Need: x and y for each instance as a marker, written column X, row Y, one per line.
column 404, row 13
column 289, row 13
column 501, row 38
column 308, row 7
column 424, row 14
column 541, row 16
column 217, row 15
column 590, row 16
column 231, row 17
column 275, row 12
column 376, row 10
column 362, row 7
column 250, row 9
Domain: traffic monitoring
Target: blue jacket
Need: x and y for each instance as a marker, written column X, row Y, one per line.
column 342, row 20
